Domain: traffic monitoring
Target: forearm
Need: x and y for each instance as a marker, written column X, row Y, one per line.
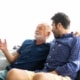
column 68, row 68
column 9, row 56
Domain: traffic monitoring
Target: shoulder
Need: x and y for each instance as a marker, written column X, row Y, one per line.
column 28, row 41
column 77, row 40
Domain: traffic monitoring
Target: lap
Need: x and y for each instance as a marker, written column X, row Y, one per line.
column 19, row 74
column 50, row 76
column 29, row 74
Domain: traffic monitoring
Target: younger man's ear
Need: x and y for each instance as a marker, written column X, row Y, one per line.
column 59, row 25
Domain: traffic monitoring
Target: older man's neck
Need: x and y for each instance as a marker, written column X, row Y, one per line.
column 38, row 42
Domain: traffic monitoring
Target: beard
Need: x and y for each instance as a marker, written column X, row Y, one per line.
column 39, row 37
column 56, row 36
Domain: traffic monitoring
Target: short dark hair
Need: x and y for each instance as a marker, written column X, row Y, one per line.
column 61, row 18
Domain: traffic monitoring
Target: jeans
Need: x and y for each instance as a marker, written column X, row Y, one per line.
column 3, row 74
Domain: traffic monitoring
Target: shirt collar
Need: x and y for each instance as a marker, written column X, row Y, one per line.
column 67, row 35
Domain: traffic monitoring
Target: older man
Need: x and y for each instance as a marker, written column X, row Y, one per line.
column 31, row 55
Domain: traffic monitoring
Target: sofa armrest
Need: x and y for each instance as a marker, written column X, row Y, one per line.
column 3, row 60
column 3, row 63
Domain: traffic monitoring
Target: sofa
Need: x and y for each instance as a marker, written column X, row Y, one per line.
column 3, row 60
column 4, row 63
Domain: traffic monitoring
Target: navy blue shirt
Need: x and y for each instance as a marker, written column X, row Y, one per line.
column 64, row 56
column 31, row 56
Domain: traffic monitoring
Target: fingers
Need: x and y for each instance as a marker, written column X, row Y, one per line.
column 77, row 34
column 0, row 41
column 3, row 42
column 3, row 45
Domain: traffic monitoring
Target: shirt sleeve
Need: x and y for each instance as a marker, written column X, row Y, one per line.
column 24, row 44
column 73, row 64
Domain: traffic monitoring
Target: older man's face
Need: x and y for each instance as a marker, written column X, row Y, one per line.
column 41, row 32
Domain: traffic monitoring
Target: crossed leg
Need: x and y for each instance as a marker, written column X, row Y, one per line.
column 49, row 76
column 18, row 74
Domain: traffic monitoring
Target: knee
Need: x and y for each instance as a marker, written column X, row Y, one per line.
column 12, row 73
column 16, row 74
column 40, row 76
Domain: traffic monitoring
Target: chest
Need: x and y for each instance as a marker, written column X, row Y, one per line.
column 59, row 52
